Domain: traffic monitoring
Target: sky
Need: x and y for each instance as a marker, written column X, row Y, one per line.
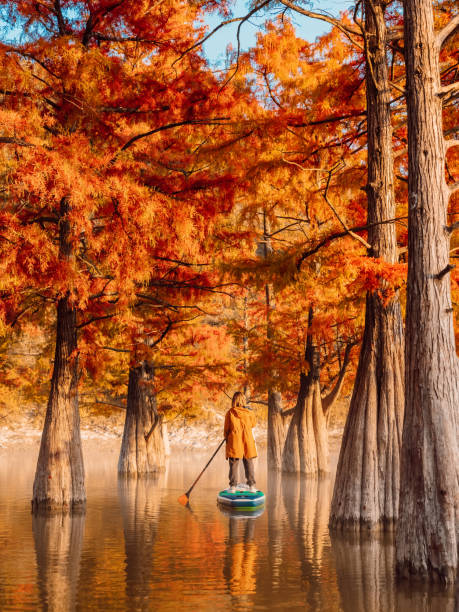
column 307, row 28
column 215, row 48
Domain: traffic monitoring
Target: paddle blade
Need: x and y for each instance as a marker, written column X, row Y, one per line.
column 183, row 499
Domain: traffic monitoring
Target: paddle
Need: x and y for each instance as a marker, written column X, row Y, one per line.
column 185, row 498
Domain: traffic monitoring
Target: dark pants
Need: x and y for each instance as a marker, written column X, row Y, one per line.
column 234, row 471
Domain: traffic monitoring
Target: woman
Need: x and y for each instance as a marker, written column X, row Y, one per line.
column 240, row 443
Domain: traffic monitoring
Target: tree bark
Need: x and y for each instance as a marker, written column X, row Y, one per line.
column 142, row 448
column 427, row 538
column 59, row 477
column 276, row 430
column 366, row 491
column 306, row 444
column 300, row 453
column 276, row 424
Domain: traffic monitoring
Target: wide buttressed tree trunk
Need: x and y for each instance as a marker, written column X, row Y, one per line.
column 142, row 448
column 306, row 445
column 427, row 536
column 59, row 477
column 367, row 484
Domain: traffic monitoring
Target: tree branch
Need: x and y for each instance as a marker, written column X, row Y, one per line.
column 169, row 126
column 337, row 235
column 220, row 25
column 14, row 140
column 93, row 319
column 162, row 336
column 158, row 420
column 449, row 91
column 348, row 32
column 447, row 31
column 331, row 119
column 329, row 400
column 60, row 18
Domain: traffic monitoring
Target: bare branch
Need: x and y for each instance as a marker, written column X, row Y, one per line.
column 60, row 17
column 158, row 421
column 325, row 196
column 220, row 25
column 349, row 32
column 116, row 350
column 14, row 140
column 162, row 336
column 449, row 91
column 93, row 319
column 325, row 241
column 447, row 31
column 444, row 272
column 169, row 126
column 329, row 400
column 331, row 119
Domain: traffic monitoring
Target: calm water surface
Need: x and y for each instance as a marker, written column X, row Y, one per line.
column 136, row 548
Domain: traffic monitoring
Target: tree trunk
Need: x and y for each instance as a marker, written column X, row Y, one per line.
column 366, row 492
column 276, row 430
column 59, row 478
column 300, row 453
column 427, row 539
column 276, row 424
column 306, row 444
column 142, row 448
column 319, row 423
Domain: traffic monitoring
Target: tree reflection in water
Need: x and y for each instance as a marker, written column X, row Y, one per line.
column 149, row 553
column 307, row 504
column 365, row 566
column 140, row 500
column 275, row 510
column 58, row 542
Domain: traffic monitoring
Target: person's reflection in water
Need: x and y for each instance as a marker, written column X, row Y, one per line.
column 58, row 543
column 240, row 560
column 365, row 565
column 140, row 500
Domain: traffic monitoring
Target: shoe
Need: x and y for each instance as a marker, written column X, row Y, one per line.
column 232, row 490
column 253, row 489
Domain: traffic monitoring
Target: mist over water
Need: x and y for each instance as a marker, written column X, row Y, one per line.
column 136, row 548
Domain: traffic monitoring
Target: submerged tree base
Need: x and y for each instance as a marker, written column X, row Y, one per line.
column 339, row 524
column 49, row 507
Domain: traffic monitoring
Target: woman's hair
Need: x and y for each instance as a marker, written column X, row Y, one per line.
column 238, row 399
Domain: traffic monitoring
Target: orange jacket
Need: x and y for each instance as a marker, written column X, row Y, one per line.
column 238, row 433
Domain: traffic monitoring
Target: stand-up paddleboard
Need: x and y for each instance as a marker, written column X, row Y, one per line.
column 242, row 499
